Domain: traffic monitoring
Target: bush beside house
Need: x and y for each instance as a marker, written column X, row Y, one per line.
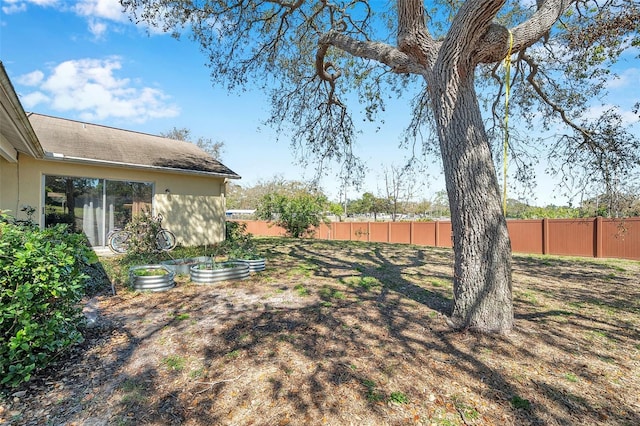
column 41, row 284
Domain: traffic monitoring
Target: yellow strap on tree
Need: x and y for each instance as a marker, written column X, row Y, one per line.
column 507, row 66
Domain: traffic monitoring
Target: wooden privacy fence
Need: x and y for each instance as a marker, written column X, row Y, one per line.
column 592, row 237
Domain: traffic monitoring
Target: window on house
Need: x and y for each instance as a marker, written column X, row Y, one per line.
column 94, row 206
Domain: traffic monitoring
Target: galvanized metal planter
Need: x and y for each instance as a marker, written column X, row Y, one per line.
column 151, row 278
column 183, row 266
column 208, row 273
column 255, row 265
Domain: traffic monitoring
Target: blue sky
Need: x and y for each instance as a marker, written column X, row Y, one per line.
column 84, row 60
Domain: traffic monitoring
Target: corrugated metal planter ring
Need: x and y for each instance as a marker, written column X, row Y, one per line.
column 206, row 273
column 151, row 278
column 255, row 265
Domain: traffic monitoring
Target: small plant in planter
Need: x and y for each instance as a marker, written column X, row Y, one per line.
column 240, row 247
column 249, row 256
column 210, row 266
column 151, row 278
column 242, row 253
column 150, row 272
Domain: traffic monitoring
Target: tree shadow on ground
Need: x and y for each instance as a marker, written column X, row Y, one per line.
column 335, row 333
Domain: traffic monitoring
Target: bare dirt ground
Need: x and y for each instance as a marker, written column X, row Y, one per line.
column 351, row 334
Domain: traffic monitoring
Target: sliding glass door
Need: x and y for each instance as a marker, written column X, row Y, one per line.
column 94, row 206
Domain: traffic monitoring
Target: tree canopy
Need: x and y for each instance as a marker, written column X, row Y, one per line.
column 212, row 148
column 249, row 196
column 318, row 59
column 312, row 55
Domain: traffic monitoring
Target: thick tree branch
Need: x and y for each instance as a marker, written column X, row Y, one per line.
column 493, row 46
column 468, row 28
column 322, row 69
column 398, row 61
column 413, row 37
column 536, row 27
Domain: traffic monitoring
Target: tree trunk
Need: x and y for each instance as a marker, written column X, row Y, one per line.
column 482, row 271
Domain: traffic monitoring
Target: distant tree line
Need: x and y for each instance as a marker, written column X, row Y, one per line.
column 389, row 205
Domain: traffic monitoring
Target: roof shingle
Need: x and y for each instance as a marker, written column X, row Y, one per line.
column 92, row 142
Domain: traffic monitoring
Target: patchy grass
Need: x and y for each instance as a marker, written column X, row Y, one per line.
column 174, row 362
column 351, row 333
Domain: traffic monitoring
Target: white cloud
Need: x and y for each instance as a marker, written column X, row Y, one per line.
column 90, row 88
column 31, row 79
column 630, row 77
column 97, row 28
column 33, row 99
column 103, row 9
column 101, row 15
column 17, row 6
column 14, row 8
column 98, row 13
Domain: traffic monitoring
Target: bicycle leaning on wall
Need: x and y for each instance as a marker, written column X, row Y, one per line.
column 119, row 240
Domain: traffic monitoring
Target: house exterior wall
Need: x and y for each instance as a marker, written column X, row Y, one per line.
column 9, row 188
column 193, row 208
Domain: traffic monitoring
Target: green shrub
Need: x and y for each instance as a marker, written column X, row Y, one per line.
column 239, row 243
column 298, row 214
column 143, row 229
column 41, row 283
column 235, row 232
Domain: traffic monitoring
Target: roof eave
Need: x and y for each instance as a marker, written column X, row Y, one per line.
column 17, row 117
column 50, row 156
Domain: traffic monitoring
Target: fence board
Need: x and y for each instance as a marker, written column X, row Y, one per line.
column 341, row 231
column 424, row 233
column 526, row 236
column 360, row 231
column 379, row 232
column 400, row 232
column 572, row 237
column 621, row 238
column 445, row 231
column 323, row 232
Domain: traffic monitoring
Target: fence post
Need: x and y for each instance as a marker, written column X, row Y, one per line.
column 437, row 233
column 388, row 232
column 368, row 231
column 545, row 236
column 598, row 236
column 411, row 232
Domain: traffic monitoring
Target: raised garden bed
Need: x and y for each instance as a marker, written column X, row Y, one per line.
column 255, row 265
column 209, row 272
column 151, row 278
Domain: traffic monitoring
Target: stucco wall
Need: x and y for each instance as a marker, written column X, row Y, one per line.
column 193, row 207
column 9, row 187
column 195, row 219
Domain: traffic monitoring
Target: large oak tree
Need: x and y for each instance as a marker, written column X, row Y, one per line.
column 312, row 54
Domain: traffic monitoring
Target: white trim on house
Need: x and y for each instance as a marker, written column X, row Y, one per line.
column 7, row 151
column 16, row 133
column 54, row 156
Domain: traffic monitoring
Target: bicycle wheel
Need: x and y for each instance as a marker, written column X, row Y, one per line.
column 119, row 242
column 165, row 240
